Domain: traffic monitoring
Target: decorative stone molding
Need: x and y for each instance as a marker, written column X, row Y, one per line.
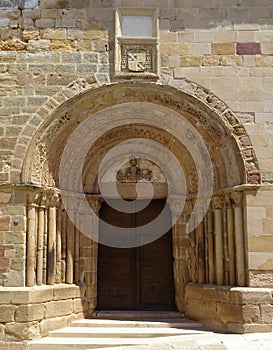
column 176, row 95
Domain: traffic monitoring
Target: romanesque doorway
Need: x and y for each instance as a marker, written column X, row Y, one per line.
column 139, row 278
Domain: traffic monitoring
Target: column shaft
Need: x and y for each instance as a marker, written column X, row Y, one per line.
column 40, row 245
column 31, row 242
column 239, row 242
column 70, row 252
column 51, row 249
column 231, row 247
column 218, row 234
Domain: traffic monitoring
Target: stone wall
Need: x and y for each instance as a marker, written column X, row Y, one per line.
column 31, row 313
column 46, row 45
column 12, row 237
column 230, row 309
column 259, row 233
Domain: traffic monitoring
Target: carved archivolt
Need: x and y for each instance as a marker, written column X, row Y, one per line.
column 207, row 114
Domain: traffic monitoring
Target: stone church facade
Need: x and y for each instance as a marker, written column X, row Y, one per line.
column 187, row 79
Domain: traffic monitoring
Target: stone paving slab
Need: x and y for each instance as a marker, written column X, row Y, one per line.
column 209, row 341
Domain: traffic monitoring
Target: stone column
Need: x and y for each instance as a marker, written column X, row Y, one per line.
column 58, row 278
column 225, row 245
column 239, row 239
column 63, row 247
column 218, row 239
column 70, row 252
column 180, row 250
column 231, row 245
column 51, row 249
column 31, row 238
column 92, row 265
column 45, row 241
column 40, row 238
column 77, row 249
column 200, row 253
column 210, row 248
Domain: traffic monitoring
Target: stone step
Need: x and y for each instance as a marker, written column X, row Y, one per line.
column 136, row 315
column 117, row 332
column 135, row 330
column 171, row 323
column 52, row 343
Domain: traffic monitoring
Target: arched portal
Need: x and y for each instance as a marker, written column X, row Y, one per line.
column 193, row 151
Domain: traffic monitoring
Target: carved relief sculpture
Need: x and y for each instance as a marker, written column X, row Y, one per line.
column 133, row 173
column 136, row 58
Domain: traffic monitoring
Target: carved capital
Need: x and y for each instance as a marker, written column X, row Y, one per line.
column 43, row 199
column 33, row 198
column 54, row 200
column 218, row 202
column 237, row 199
column 95, row 204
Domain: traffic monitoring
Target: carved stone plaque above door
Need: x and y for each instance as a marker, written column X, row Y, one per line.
column 136, row 43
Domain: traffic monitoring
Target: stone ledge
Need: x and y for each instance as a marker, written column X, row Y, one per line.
column 235, row 295
column 38, row 294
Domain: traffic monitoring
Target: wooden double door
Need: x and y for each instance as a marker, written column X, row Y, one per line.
column 139, row 278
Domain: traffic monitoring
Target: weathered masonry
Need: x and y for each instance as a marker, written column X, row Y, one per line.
column 183, row 78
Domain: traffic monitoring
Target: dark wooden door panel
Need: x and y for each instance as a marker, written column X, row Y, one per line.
column 136, row 278
column 115, row 278
column 157, row 273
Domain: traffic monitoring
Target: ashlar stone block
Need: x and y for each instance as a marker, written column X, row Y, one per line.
column 33, row 312
column 22, row 331
column 28, row 4
column 59, row 308
column 7, row 313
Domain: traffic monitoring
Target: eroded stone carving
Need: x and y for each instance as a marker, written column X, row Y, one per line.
column 230, row 117
column 137, row 58
column 80, row 85
column 254, row 178
column 134, row 173
column 158, row 95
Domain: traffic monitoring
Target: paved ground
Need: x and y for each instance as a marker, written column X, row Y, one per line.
column 208, row 341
